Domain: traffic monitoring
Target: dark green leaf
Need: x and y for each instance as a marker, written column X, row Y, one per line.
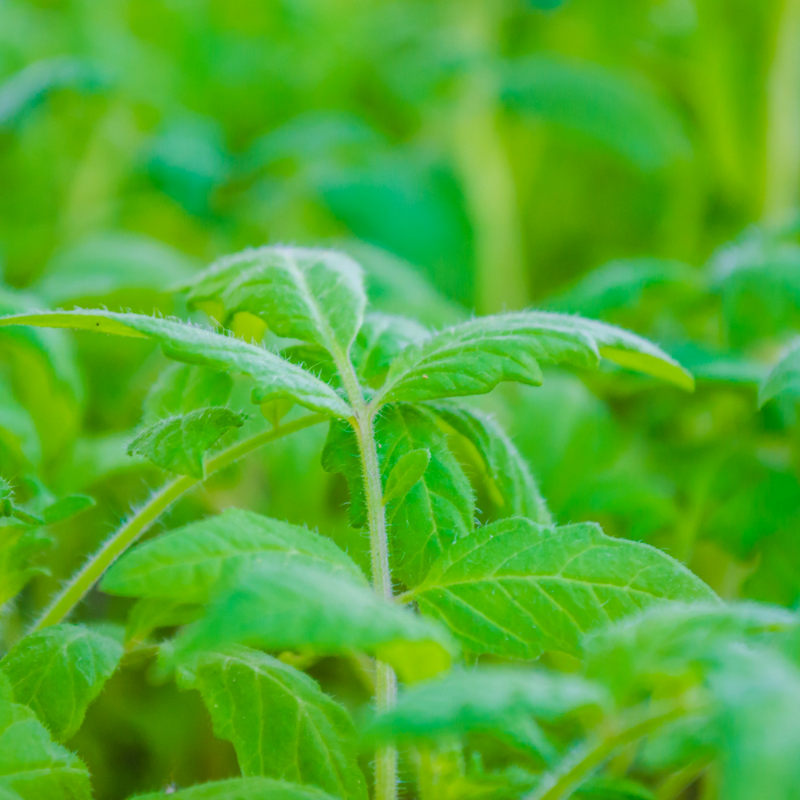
column 188, row 563
column 517, row 588
column 279, row 721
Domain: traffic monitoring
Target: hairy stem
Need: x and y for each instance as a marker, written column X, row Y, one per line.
column 122, row 539
column 578, row 765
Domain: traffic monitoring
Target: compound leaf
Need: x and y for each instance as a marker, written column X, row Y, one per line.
column 178, row 444
column 59, row 671
column 783, row 379
column 241, row 789
column 483, row 699
column 188, row 563
column 295, row 605
column 473, row 357
column 436, row 511
column 516, row 588
column 278, row 720
column 512, row 487
column 310, row 294
column 274, row 377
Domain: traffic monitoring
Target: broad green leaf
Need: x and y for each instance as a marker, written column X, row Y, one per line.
column 784, row 379
column 274, row 377
column 32, row 766
column 381, row 339
column 437, row 511
column 149, row 614
column 21, row 551
column 278, row 720
column 182, row 388
column 178, row 444
column 188, row 563
column 294, row 605
column 58, row 671
column 516, row 588
column 67, row 507
column 512, row 487
column 241, row 789
column 404, row 475
column 483, row 699
column 310, row 294
column 473, row 357
column 618, row 112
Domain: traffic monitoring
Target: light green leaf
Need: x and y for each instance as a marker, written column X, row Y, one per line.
column 182, row 388
column 409, row 469
column 67, row 507
column 381, row 339
column 473, row 357
column 278, row 720
column 241, row 789
column 784, row 379
column 438, row 510
column 483, row 699
column 188, row 563
column 58, row 671
column 21, row 550
column 274, row 377
column 149, row 614
column 294, row 605
column 512, row 487
column 310, row 294
column 178, row 444
column 516, row 588
column 32, row 766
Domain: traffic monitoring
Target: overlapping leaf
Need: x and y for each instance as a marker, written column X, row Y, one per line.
column 516, row 588
column 182, row 388
column 274, row 377
column 313, row 295
column 294, row 605
column 473, row 357
column 435, row 512
column 380, row 340
column 59, row 671
column 278, row 720
column 187, row 564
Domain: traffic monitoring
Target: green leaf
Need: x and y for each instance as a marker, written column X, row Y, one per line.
column 513, row 489
column 311, row 608
column 483, row 699
column 59, row 671
column 784, row 379
column 516, row 588
column 438, row 510
column 278, row 720
column 149, row 614
column 408, row 470
column 182, row 388
column 274, row 377
column 32, row 766
column 67, row 507
column 188, row 563
column 21, row 550
column 309, row 294
column 241, row 789
column 381, row 339
column 178, row 444
column 473, row 357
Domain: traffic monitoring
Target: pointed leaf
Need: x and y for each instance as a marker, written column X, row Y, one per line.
column 178, row 444
column 241, row 789
column 298, row 606
column 188, row 563
column 58, row 671
column 483, row 699
column 473, row 357
column 784, row 379
column 516, row 588
column 313, row 295
column 278, row 720
column 438, row 510
column 182, row 388
column 404, row 475
column 274, row 377
column 512, row 486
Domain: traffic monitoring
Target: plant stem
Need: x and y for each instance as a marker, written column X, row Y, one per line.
column 584, row 759
column 122, row 539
